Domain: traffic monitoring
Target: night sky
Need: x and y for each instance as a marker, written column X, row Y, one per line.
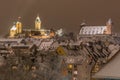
column 66, row 14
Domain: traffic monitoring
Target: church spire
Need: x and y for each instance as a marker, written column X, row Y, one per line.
column 37, row 23
column 19, row 25
column 109, row 22
column 38, row 18
column 109, row 26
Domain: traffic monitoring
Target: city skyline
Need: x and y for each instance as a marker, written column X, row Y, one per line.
column 59, row 14
column 37, row 40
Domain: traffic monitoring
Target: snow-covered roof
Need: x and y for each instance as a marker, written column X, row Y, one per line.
column 13, row 28
column 92, row 30
column 10, row 40
column 22, row 46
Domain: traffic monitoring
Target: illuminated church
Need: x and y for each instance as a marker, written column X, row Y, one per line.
column 96, row 30
column 38, row 32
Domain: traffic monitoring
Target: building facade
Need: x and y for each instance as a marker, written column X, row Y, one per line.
column 37, row 32
column 94, row 30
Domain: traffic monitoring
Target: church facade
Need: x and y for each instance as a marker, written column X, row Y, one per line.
column 37, row 32
column 96, row 30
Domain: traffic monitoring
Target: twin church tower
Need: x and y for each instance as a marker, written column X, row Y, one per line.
column 17, row 28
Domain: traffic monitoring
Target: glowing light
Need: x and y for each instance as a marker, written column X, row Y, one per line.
column 70, row 66
column 13, row 28
column 38, row 19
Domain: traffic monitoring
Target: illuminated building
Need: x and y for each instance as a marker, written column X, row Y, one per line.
column 13, row 31
column 109, row 25
column 19, row 27
column 38, row 32
column 37, row 23
column 94, row 30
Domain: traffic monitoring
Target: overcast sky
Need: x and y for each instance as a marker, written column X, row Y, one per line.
column 66, row 14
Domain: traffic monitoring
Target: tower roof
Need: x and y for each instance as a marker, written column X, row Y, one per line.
column 38, row 18
column 109, row 21
column 83, row 23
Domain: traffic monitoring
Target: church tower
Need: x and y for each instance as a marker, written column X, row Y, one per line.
column 81, row 27
column 19, row 26
column 13, row 31
column 37, row 23
column 109, row 27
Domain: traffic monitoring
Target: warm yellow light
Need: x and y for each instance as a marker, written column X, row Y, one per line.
column 70, row 66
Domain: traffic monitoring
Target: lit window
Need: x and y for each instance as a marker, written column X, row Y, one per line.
column 70, row 66
column 75, row 72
